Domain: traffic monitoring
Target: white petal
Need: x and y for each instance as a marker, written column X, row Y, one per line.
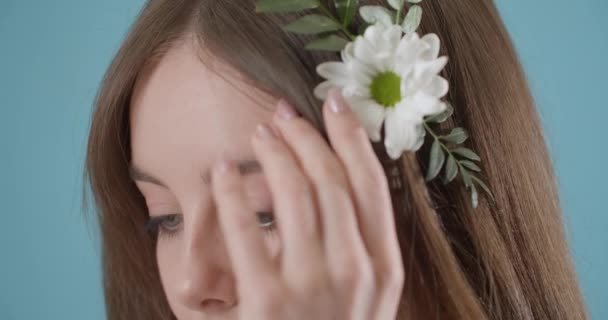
column 385, row 63
column 361, row 72
column 348, row 52
column 438, row 87
column 356, row 90
column 364, row 50
column 434, row 44
column 412, row 36
column 442, row 106
column 392, row 35
column 420, row 136
column 419, row 105
column 408, row 51
column 374, row 32
column 430, row 67
column 334, row 71
column 409, row 40
column 425, row 71
column 322, row 89
column 371, row 116
column 402, row 133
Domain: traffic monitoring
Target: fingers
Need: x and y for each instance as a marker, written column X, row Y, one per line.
column 349, row 192
column 293, row 201
column 343, row 242
column 347, row 261
column 241, row 230
column 371, row 194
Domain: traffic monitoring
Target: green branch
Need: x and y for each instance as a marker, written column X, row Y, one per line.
column 342, row 27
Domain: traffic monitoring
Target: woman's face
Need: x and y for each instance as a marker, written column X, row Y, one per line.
column 183, row 117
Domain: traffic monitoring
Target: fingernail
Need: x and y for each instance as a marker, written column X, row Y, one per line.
column 336, row 101
column 285, row 111
column 223, row 166
column 265, row 131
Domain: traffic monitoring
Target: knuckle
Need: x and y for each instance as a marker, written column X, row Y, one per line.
column 302, row 128
column 375, row 174
column 359, row 274
column 391, row 279
column 355, row 134
column 376, row 182
column 274, row 150
column 352, row 127
column 340, row 194
column 311, row 289
column 371, row 168
column 331, row 175
column 298, row 187
column 329, row 169
column 358, row 132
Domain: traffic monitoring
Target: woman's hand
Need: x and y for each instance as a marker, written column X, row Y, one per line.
column 340, row 257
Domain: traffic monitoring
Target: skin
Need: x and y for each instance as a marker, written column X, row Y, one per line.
column 190, row 131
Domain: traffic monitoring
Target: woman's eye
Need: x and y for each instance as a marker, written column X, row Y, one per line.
column 166, row 225
column 266, row 219
column 171, row 223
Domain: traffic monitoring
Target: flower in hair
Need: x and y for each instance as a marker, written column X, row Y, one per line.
column 390, row 78
column 389, row 74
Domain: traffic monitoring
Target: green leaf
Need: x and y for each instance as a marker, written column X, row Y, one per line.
column 347, row 9
column 376, row 14
column 330, row 43
column 457, row 136
column 275, row 6
column 466, row 177
column 474, row 197
column 396, row 4
column 451, row 170
column 414, row 1
column 467, row 153
column 441, row 117
column 312, row 24
column 485, row 188
column 470, row 165
column 436, row 161
column 412, row 19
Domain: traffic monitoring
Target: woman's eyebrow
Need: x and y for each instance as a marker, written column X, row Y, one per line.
column 138, row 174
column 246, row 166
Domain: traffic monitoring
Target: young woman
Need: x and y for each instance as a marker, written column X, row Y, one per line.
column 226, row 190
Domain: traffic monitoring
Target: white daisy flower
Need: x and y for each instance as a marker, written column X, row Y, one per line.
column 391, row 78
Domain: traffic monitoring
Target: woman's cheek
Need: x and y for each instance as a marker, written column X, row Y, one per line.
column 167, row 258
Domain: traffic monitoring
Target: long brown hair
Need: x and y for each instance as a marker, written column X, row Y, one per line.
column 504, row 260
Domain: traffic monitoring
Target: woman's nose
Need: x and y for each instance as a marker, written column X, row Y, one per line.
column 206, row 281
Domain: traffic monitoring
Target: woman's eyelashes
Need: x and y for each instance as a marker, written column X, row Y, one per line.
column 167, row 226
column 267, row 221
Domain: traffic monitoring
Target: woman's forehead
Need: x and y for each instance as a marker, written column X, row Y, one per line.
column 185, row 115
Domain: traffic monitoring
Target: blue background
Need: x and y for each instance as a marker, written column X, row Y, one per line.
column 53, row 55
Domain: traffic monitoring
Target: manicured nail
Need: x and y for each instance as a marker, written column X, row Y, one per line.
column 336, row 102
column 285, row 111
column 266, row 132
column 223, row 166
